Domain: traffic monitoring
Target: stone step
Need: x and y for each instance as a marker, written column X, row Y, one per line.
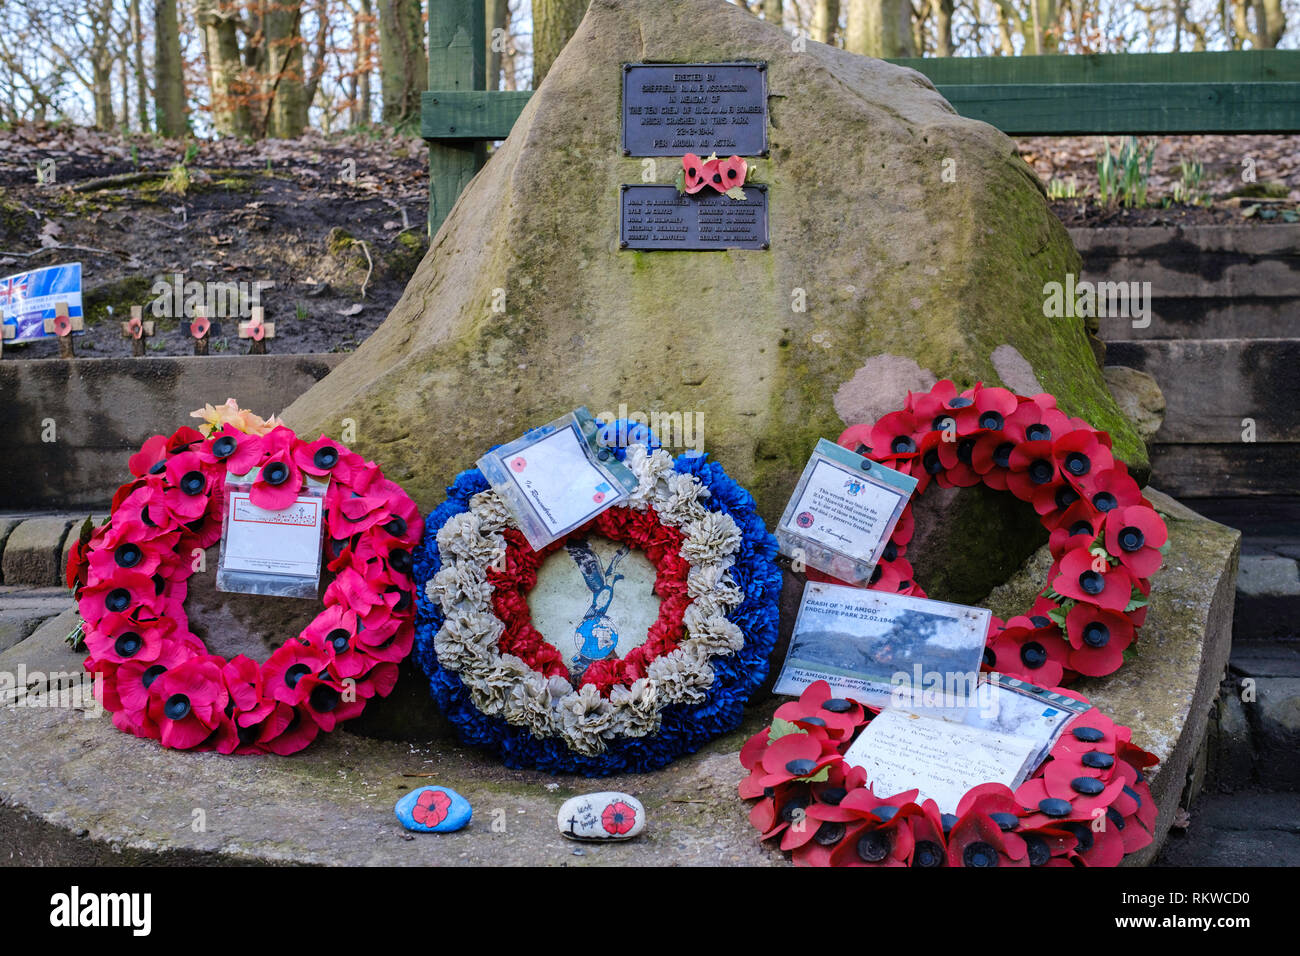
column 34, row 546
column 1206, row 317
column 1244, row 829
column 72, row 425
column 1196, row 262
column 1212, row 387
column 1252, row 470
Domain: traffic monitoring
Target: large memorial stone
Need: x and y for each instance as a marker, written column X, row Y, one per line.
column 906, row 244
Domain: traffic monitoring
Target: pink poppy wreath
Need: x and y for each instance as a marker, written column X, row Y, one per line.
column 129, row 577
column 1106, row 539
column 1088, row 804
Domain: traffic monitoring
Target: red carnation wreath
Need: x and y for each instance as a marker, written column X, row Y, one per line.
column 129, row 577
column 1088, row 803
column 1105, row 538
column 643, row 530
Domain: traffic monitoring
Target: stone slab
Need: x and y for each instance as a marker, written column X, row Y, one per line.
column 17, row 624
column 333, row 803
column 44, row 659
column 31, row 554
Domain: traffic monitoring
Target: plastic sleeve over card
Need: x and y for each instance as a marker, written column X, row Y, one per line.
column 851, row 562
column 301, row 577
column 499, row 467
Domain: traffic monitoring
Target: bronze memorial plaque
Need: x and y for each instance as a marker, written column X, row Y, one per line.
column 659, row 217
column 670, row 109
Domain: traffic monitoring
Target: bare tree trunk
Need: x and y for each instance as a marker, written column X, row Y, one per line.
column 1004, row 30
column 774, row 12
column 124, row 81
column 554, row 22
column 365, row 50
column 943, row 10
column 103, row 91
column 168, row 77
column 403, row 66
column 283, row 86
column 1275, row 21
column 826, row 20
column 509, row 72
column 881, row 28
column 1240, row 28
column 226, row 87
column 141, row 83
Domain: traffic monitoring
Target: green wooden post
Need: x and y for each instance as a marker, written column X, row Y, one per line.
column 457, row 41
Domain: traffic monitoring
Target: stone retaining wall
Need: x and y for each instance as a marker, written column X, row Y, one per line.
column 69, row 425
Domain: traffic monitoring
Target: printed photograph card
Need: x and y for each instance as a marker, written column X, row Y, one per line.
column 557, row 477
column 842, row 512
column 875, row 647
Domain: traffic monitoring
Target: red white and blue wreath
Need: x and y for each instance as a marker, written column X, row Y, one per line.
column 507, row 688
column 130, row 580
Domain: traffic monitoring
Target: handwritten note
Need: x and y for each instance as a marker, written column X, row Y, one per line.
column 901, row 751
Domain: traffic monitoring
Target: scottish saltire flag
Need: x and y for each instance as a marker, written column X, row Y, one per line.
column 28, row 298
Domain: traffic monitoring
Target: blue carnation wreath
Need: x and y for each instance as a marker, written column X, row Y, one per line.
column 684, row 728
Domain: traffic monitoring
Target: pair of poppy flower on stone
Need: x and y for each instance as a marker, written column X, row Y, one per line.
column 130, row 575
column 723, row 175
column 1105, row 538
column 1087, row 805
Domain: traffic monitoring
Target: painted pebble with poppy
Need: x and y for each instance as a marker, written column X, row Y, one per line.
column 608, row 815
column 433, row 810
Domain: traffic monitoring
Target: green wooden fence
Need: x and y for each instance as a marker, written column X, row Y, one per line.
column 1255, row 91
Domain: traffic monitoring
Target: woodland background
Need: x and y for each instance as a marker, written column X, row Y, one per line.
column 257, row 69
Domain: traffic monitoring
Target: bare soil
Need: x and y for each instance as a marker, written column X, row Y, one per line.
column 300, row 214
column 303, row 215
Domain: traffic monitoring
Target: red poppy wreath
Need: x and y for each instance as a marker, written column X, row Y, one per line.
column 1088, row 803
column 1105, row 538
column 130, row 579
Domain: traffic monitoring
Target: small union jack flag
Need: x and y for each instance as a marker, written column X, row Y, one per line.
column 13, row 288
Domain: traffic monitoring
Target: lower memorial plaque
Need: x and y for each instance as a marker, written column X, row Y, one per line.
column 659, row 217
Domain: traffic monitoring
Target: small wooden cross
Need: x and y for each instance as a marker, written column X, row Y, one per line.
column 257, row 329
column 137, row 330
column 63, row 325
column 7, row 332
column 200, row 328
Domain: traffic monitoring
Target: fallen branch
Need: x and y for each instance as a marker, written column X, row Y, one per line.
column 119, row 179
column 370, row 264
column 64, row 248
column 163, row 222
